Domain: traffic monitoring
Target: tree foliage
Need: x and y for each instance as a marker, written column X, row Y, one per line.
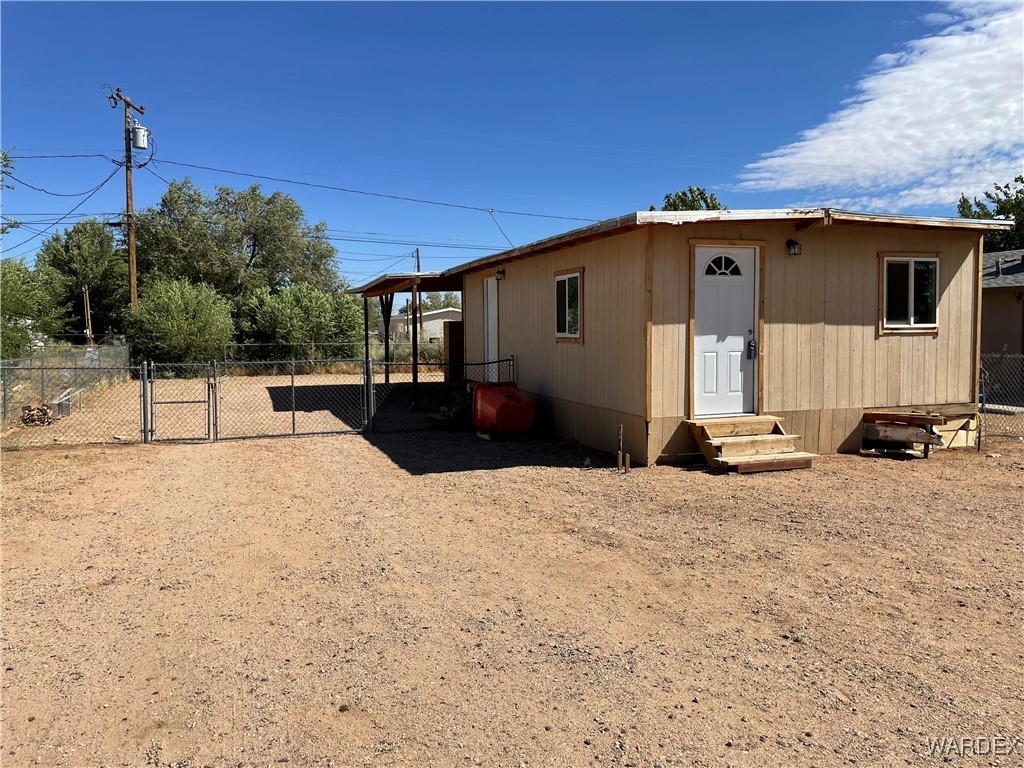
column 436, row 300
column 86, row 255
column 178, row 322
column 238, row 241
column 691, row 199
column 1006, row 201
column 301, row 322
column 27, row 311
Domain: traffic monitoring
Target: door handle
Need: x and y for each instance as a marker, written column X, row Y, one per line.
column 751, row 349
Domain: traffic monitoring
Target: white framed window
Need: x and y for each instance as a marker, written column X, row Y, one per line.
column 910, row 292
column 569, row 305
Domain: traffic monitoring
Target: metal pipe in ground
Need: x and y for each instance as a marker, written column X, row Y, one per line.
column 293, row 397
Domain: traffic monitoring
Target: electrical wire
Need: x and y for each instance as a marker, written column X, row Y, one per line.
column 54, row 194
column 165, row 181
column 389, row 266
column 491, row 211
column 413, row 243
column 58, row 221
column 371, row 194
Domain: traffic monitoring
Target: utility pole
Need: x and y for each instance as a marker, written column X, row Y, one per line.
column 88, row 314
column 115, row 97
column 416, row 292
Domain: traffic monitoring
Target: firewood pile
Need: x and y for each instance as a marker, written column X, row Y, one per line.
column 36, row 415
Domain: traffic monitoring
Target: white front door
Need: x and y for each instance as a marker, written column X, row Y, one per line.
column 724, row 323
column 490, row 328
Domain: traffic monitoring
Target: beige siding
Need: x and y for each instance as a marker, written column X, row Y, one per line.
column 823, row 358
column 585, row 390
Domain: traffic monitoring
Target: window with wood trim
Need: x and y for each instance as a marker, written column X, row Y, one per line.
column 911, row 293
column 569, row 305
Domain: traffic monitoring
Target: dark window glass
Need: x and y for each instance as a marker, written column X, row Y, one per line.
column 897, row 292
column 560, row 306
column 925, row 292
column 573, row 305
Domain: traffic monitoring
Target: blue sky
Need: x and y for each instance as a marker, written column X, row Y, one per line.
column 574, row 110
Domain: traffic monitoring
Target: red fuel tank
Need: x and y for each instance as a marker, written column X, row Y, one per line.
column 501, row 406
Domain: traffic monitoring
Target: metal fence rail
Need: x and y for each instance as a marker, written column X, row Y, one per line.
column 1002, row 397
column 155, row 402
column 72, row 405
column 289, row 397
column 406, row 399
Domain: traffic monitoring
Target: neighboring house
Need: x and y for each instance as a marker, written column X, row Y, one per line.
column 1002, row 303
column 662, row 321
column 432, row 327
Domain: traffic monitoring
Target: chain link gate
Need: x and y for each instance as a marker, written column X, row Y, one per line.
column 181, row 402
column 288, row 397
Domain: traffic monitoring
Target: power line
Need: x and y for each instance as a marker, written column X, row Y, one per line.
column 491, row 211
column 399, row 234
column 146, row 166
column 412, row 242
column 54, row 194
column 371, row 194
column 80, row 204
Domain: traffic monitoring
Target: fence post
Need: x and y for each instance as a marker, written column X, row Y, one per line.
column 144, row 383
column 216, row 400
column 293, row 397
column 42, row 381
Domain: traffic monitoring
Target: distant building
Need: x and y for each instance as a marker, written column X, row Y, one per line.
column 1002, row 302
column 432, row 325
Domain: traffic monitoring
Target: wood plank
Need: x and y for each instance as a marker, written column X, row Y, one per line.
column 754, row 445
column 750, row 464
column 648, row 310
column 916, row 419
column 900, row 433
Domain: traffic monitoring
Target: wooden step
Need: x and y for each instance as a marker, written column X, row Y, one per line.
column 732, row 426
column 754, row 445
column 766, row 463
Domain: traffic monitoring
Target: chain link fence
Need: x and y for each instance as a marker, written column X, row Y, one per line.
column 407, row 401
column 1002, row 397
column 290, row 397
column 73, row 398
column 87, row 395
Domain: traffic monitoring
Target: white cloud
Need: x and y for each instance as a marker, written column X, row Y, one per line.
column 942, row 117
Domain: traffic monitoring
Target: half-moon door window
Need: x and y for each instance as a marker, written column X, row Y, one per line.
column 722, row 265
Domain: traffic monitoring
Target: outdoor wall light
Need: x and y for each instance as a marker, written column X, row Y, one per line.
column 499, row 275
column 794, row 247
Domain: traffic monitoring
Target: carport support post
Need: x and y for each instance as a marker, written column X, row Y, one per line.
column 414, row 330
column 367, row 383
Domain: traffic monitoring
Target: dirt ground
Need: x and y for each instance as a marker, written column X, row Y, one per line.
column 428, row 599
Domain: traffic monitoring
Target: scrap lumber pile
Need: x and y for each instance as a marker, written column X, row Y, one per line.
column 888, row 430
column 36, row 415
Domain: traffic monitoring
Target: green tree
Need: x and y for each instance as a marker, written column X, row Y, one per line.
column 436, row 300
column 1007, row 202
column 691, row 199
column 86, row 255
column 239, row 241
column 178, row 322
column 301, row 322
column 27, row 311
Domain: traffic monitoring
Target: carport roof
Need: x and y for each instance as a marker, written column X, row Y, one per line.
column 404, row 281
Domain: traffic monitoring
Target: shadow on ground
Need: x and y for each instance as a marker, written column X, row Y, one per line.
column 425, row 453
column 343, row 401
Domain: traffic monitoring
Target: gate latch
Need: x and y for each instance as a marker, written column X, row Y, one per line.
column 751, row 349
